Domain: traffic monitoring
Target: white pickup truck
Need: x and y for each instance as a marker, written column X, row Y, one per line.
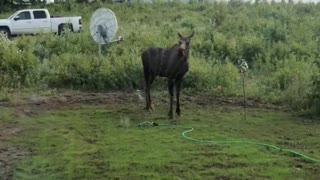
column 33, row 21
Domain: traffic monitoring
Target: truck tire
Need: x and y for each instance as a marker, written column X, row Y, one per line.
column 5, row 32
column 63, row 28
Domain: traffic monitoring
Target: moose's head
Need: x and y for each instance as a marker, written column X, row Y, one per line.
column 184, row 44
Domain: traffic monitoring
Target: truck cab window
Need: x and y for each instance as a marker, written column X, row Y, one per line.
column 39, row 15
column 24, row 15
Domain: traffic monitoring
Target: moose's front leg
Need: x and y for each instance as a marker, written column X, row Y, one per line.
column 170, row 87
column 147, row 95
column 178, row 83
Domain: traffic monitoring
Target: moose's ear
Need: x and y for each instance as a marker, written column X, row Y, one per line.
column 180, row 35
column 191, row 35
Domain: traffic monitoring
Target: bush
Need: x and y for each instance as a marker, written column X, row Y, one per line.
column 279, row 42
column 222, row 79
column 18, row 67
column 314, row 96
column 290, row 82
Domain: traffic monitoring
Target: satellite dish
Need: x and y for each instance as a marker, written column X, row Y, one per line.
column 103, row 27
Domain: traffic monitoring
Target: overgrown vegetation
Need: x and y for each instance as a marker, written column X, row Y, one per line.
column 279, row 41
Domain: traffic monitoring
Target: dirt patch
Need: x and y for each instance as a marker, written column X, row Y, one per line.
column 34, row 104
column 222, row 178
column 6, row 132
column 205, row 100
column 9, row 155
column 62, row 100
column 223, row 166
column 8, row 158
column 23, row 112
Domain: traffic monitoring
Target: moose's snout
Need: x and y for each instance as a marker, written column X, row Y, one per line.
column 183, row 46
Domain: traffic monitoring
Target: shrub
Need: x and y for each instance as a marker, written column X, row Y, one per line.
column 222, row 78
column 292, row 81
column 314, row 96
column 18, row 67
column 278, row 42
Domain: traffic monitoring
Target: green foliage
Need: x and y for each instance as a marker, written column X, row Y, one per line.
column 220, row 78
column 18, row 67
column 279, row 41
column 314, row 96
column 294, row 78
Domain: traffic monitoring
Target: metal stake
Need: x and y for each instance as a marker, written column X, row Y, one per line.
column 244, row 96
column 243, row 68
column 99, row 51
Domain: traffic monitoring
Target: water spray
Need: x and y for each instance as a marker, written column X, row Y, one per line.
column 139, row 94
column 124, row 121
column 243, row 67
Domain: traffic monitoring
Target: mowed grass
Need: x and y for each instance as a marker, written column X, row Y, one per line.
column 105, row 142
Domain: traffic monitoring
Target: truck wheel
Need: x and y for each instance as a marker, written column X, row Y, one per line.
column 64, row 28
column 5, row 33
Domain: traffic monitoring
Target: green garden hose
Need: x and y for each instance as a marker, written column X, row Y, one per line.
column 190, row 129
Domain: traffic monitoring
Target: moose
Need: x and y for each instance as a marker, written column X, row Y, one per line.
column 171, row 63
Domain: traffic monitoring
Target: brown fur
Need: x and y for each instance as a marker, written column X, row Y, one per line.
column 171, row 63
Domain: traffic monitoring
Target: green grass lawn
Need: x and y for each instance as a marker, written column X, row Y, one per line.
column 105, row 142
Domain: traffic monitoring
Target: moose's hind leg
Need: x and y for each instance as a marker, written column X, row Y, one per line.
column 148, row 81
column 148, row 106
column 147, row 88
column 170, row 88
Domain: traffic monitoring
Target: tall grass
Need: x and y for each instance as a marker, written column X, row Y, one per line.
column 279, row 41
